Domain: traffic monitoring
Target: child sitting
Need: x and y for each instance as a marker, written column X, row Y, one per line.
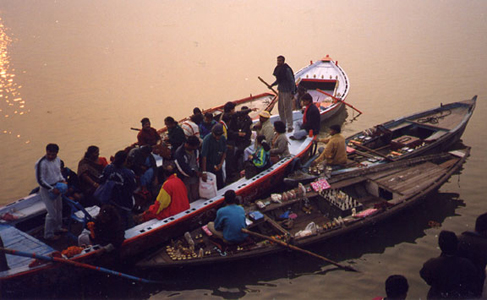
column 260, row 160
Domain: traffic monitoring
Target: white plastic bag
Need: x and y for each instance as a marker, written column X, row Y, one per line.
column 208, row 189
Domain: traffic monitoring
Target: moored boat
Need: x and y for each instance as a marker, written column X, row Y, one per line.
column 318, row 211
column 25, row 216
column 431, row 131
column 327, row 83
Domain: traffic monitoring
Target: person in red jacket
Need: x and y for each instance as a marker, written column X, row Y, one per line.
column 172, row 199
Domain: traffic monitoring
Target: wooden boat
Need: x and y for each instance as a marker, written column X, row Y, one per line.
column 327, row 83
column 431, row 131
column 324, row 79
column 25, row 216
column 318, row 211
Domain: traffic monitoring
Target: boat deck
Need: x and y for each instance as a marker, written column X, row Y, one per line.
column 14, row 238
column 446, row 120
column 410, row 179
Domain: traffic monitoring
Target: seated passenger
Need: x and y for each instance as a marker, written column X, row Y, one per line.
column 148, row 135
column 311, row 119
column 141, row 161
column 207, row 125
column 191, row 128
column 123, row 188
column 107, row 228
column 90, row 169
column 280, row 143
column 172, row 199
column 175, row 134
column 197, row 116
column 229, row 220
column 260, row 160
column 335, row 153
column 263, row 127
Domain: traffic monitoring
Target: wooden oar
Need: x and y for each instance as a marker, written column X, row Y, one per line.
column 372, row 151
column 75, row 264
column 269, row 238
column 338, row 99
column 268, row 85
column 273, row 102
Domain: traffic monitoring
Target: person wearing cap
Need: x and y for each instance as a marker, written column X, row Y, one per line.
column 286, row 86
column 187, row 160
column 148, row 135
column 213, row 153
column 207, row 124
column 263, row 127
column 335, row 153
column 311, row 119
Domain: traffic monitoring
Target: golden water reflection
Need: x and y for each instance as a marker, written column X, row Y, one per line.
column 12, row 104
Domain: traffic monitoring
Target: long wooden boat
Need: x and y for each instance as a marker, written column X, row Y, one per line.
column 318, row 211
column 19, row 218
column 431, row 131
column 324, row 79
column 327, row 83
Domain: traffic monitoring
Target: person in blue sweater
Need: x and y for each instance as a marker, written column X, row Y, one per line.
column 229, row 221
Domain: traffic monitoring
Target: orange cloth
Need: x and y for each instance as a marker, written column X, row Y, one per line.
column 172, row 199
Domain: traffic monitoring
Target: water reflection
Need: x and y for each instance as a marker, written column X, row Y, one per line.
column 11, row 105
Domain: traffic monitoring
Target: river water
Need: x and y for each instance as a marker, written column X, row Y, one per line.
column 81, row 73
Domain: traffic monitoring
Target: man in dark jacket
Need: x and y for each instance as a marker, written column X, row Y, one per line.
column 286, row 87
column 187, row 160
column 311, row 118
column 175, row 134
column 473, row 245
column 449, row 275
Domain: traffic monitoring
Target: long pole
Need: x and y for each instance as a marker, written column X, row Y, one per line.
column 338, row 99
column 75, row 264
column 346, row 268
column 268, row 85
column 273, row 102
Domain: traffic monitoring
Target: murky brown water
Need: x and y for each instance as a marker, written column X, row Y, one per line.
column 83, row 72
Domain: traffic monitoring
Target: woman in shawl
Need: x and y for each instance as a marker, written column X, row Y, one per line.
column 90, row 169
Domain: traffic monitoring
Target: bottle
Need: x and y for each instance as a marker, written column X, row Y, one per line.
column 190, row 241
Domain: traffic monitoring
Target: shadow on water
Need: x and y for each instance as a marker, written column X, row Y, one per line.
column 247, row 276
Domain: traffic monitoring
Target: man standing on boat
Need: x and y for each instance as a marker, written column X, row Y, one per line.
column 50, row 179
column 213, row 154
column 286, row 86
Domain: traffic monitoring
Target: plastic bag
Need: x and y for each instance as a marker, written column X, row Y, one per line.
column 208, row 189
